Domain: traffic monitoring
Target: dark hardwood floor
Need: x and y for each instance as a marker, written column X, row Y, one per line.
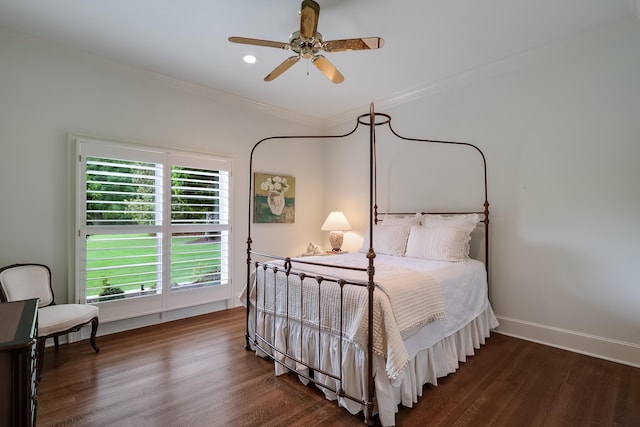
column 195, row 372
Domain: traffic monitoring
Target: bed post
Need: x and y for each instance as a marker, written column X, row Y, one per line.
column 247, row 344
column 486, row 243
column 368, row 409
column 486, row 223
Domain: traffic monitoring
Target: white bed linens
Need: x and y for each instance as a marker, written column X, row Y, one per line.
column 430, row 350
column 405, row 300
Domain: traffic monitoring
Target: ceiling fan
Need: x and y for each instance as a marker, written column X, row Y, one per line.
column 308, row 43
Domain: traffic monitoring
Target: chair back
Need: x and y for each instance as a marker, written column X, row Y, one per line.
column 24, row 281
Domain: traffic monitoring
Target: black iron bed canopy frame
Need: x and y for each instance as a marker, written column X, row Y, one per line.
column 372, row 119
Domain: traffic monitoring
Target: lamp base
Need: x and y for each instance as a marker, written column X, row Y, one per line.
column 336, row 238
column 336, row 252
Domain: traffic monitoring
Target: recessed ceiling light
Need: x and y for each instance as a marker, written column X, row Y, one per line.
column 249, row 59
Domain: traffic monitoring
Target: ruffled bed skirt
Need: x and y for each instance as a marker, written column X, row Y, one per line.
column 321, row 350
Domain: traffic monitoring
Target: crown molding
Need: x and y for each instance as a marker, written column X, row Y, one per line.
column 163, row 80
column 238, row 101
column 501, row 66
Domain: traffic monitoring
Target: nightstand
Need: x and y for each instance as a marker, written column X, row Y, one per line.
column 336, row 252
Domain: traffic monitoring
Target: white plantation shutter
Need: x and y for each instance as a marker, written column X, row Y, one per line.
column 153, row 228
column 121, row 192
column 199, row 196
column 199, row 225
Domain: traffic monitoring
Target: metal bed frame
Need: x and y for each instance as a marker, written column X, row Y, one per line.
column 372, row 120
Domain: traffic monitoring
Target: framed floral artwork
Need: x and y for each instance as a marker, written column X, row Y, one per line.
column 274, row 198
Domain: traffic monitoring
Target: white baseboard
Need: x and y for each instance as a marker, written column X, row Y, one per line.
column 590, row 345
column 106, row 328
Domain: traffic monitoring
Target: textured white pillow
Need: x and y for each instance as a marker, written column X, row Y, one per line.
column 387, row 239
column 432, row 220
column 465, row 222
column 439, row 243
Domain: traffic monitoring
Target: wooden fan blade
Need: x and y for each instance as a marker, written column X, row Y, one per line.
column 284, row 66
column 353, row 44
column 309, row 14
column 258, row 42
column 327, row 69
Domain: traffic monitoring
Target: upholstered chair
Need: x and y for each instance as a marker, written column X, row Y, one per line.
column 24, row 281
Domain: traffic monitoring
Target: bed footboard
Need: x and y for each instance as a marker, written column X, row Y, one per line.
column 307, row 324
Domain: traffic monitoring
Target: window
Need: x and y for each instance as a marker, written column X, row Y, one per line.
column 153, row 228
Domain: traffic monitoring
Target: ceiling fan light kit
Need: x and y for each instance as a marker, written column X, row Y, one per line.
column 307, row 43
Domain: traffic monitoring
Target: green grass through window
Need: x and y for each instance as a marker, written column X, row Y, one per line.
column 130, row 262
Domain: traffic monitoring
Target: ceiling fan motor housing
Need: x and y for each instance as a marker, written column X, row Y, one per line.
column 307, row 47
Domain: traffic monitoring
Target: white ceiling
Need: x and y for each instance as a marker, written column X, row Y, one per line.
column 426, row 41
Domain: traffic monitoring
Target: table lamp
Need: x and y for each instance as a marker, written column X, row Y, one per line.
column 336, row 223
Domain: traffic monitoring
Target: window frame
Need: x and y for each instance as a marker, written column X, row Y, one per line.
column 166, row 299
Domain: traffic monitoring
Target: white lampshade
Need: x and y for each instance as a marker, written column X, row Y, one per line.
column 336, row 221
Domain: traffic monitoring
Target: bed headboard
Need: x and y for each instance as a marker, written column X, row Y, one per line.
column 479, row 246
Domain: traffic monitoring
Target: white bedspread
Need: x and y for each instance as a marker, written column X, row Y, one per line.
column 405, row 300
column 433, row 349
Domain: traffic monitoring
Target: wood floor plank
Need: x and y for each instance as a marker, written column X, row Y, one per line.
column 195, row 372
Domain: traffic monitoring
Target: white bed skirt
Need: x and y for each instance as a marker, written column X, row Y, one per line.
column 439, row 360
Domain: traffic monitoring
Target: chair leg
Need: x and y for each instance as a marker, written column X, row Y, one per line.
column 94, row 330
column 40, row 349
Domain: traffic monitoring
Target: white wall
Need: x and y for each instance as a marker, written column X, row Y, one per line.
column 47, row 92
column 559, row 127
column 561, row 131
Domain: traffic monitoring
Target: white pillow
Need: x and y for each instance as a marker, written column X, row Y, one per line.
column 432, row 220
column 439, row 243
column 387, row 239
